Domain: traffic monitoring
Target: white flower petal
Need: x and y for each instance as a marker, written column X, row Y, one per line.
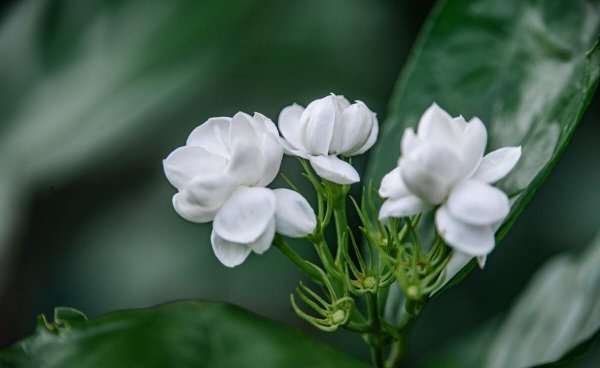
column 371, row 140
column 244, row 127
column 459, row 124
column 470, row 239
column 430, row 171
column 497, row 164
column 318, row 119
column 202, row 197
column 290, row 127
column 341, row 102
column 290, row 150
column 353, row 129
column 231, row 254
column 401, row 207
column 392, row 185
column 245, row 215
column 247, row 163
column 475, row 140
column 334, row 169
column 409, row 142
column 266, row 124
column 190, row 211
column 187, row 162
column 477, row 203
column 263, row 243
column 294, row 216
column 481, row 261
column 436, row 125
column 213, row 136
column 272, row 156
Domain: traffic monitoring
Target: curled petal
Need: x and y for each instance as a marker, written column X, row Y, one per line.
column 469, row 239
column 392, row 185
column 430, row 171
column 272, row 156
column 334, row 169
column 370, row 141
column 290, row 127
column 294, row 217
column 191, row 212
column 318, row 119
column 230, row 254
column 475, row 140
column 263, row 243
column 497, row 164
column 244, row 217
column 478, row 203
column 187, row 162
column 353, row 129
column 202, row 197
column 265, row 125
column 401, row 207
column 213, row 136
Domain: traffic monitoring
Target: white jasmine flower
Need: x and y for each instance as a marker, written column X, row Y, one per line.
column 329, row 127
column 221, row 174
column 442, row 166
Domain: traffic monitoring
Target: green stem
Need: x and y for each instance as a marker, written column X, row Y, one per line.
column 296, row 258
column 375, row 337
column 399, row 345
column 373, row 311
column 377, row 356
column 324, row 254
column 341, row 225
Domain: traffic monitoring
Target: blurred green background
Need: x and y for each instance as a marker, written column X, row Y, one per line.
column 94, row 94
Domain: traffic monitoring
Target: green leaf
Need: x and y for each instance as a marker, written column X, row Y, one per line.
column 186, row 334
column 528, row 69
column 554, row 321
column 558, row 311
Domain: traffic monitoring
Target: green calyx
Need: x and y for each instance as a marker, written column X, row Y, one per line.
column 352, row 279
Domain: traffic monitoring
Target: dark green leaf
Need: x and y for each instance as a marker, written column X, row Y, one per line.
column 528, row 69
column 187, row 334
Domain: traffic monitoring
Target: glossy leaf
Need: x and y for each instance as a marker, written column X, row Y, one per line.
column 553, row 322
column 528, row 69
column 559, row 310
column 187, row 334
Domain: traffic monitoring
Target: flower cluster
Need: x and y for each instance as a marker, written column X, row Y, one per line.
column 222, row 172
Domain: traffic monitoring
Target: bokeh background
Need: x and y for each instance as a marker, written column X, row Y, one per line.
column 94, row 94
